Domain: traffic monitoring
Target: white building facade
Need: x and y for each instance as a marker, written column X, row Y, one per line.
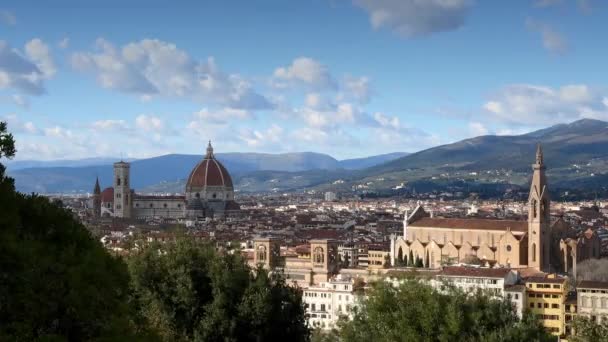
column 327, row 302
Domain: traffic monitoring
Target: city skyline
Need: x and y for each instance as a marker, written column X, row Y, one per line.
column 345, row 78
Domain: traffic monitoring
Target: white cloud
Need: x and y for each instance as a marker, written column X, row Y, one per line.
column 311, row 135
column 20, row 100
column 552, row 41
column 257, row 138
column 304, row 71
column 411, row 18
column 40, row 54
column 58, row 132
column 386, row 121
column 526, row 104
column 64, row 43
column 18, row 72
column 150, row 123
column 156, row 68
column 16, row 125
column 223, row 116
column 477, row 129
column 357, row 88
column 338, row 115
column 110, row 125
column 7, row 18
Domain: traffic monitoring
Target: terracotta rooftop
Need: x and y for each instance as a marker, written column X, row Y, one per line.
column 209, row 172
column 473, row 223
column 107, row 195
column 458, row 271
column 588, row 284
column 545, row 280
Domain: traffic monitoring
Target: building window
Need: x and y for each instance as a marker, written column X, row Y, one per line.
column 508, row 248
column 262, row 257
column 534, row 246
column 118, row 181
column 531, row 305
column 151, row 205
column 319, row 257
column 165, row 205
column 556, row 286
column 554, row 306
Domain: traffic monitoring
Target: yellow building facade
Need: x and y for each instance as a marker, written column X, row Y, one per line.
column 546, row 298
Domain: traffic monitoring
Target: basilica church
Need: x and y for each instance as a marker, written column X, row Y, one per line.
column 507, row 243
column 208, row 193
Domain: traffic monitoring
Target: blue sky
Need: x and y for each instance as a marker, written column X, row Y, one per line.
column 348, row 78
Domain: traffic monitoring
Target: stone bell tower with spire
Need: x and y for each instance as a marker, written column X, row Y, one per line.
column 539, row 235
column 97, row 199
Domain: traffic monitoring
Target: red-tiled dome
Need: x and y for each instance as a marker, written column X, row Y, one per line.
column 209, row 172
column 107, row 195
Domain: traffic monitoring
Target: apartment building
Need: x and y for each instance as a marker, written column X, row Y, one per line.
column 546, row 297
column 592, row 300
column 498, row 282
column 327, row 302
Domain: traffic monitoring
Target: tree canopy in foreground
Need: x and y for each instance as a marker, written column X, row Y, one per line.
column 189, row 292
column 413, row 311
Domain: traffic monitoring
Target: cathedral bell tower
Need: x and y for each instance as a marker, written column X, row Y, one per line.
column 539, row 236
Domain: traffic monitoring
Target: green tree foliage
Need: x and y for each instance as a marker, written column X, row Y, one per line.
column 587, row 330
column 188, row 292
column 416, row 312
column 56, row 282
column 7, row 142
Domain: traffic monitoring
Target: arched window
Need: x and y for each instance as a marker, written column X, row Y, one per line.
column 534, row 213
column 118, row 181
column 262, row 253
column 533, row 252
column 319, row 257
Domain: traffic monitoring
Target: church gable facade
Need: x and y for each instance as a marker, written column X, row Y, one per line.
column 508, row 243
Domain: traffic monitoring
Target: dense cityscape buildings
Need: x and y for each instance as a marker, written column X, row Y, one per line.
column 526, row 252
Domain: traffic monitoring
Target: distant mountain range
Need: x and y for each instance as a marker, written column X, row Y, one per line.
column 154, row 174
column 576, row 155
